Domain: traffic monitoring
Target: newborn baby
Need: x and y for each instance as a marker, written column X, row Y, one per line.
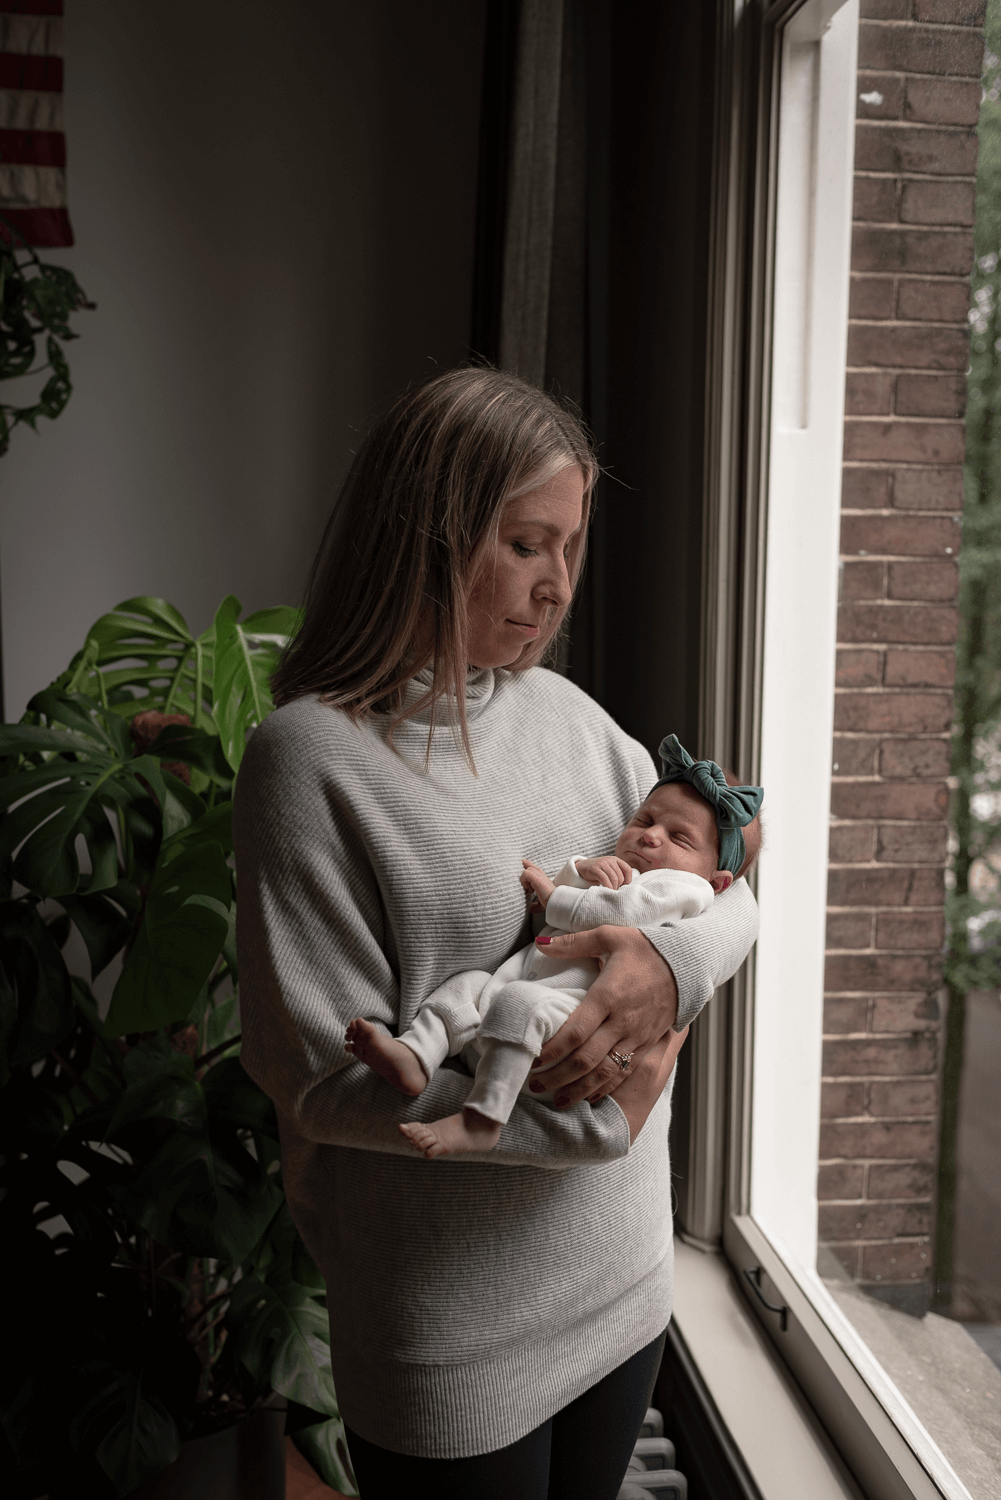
column 683, row 845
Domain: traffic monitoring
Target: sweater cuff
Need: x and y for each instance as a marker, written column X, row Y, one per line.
column 694, row 988
column 561, row 906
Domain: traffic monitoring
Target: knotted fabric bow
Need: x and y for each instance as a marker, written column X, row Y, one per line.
column 734, row 806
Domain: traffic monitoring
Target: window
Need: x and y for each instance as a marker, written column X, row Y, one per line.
column 857, row 1338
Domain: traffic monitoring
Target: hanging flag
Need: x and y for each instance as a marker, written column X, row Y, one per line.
column 32, row 143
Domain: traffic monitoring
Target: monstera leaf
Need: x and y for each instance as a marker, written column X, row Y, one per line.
column 81, row 768
column 281, row 1335
column 245, row 656
column 142, row 655
column 184, row 926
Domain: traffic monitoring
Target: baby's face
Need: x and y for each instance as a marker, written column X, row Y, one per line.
column 674, row 829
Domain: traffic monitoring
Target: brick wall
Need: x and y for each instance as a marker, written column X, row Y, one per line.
column 915, row 163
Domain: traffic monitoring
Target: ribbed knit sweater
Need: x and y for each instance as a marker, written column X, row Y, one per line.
column 470, row 1297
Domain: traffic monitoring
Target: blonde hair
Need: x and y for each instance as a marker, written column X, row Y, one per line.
column 388, row 592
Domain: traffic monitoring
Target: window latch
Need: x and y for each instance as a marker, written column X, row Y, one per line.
column 753, row 1274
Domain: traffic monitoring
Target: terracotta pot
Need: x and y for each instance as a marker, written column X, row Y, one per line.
column 244, row 1462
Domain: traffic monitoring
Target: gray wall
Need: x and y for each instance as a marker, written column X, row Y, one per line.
column 274, row 211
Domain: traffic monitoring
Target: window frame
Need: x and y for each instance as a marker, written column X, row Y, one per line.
column 886, row 1449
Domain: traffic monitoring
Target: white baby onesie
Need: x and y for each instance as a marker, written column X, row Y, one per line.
column 498, row 1023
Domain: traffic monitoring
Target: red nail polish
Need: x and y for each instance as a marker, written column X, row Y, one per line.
column 536, row 1064
column 535, row 1088
column 543, row 941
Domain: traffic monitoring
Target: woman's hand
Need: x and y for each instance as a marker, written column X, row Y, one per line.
column 631, row 1005
column 645, row 1084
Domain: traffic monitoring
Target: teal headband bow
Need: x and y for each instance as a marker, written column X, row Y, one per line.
column 734, row 806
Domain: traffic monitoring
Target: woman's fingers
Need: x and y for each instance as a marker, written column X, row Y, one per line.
column 632, row 1003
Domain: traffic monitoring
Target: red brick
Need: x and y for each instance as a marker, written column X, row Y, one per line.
column 904, row 1096
column 851, row 843
column 914, row 536
column 920, row 668
column 843, row 1017
column 891, row 88
column 875, row 200
column 934, row 301
column 872, row 297
column 891, row 1140
column 905, row 624
column 930, row 396
column 928, row 758
column 906, row 347
column 914, row 1179
column 919, row 49
column 863, row 580
column 886, row 10
column 854, row 973
column 868, row 394
column 840, row 1101
column 908, row 1013
column 840, row 1180
column 916, row 801
column 884, row 885
column 912, row 931
column 942, row 101
column 923, row 202
column 905, row 1260
column 951, row 12
column 909, row 149
column 928, row 489
column 910, row 442
column 879, row 248
column 854, row 755
column 874, row 1221
column 889, row 713
column 909, row 843
column 937, row 581
column 858, row 669
column 848, row 931
column 865, row 489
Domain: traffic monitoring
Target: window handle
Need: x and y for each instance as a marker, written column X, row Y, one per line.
column 753, row 1274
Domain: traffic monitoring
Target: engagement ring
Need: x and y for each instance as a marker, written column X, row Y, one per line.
column 623, row 1062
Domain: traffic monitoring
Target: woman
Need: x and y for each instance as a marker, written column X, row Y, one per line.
column 496, row 1322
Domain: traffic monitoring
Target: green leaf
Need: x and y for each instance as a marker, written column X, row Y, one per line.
column 245, row 657
column 160, row 1085
column 37, row 974
column 195, row 748
column 132, row 1435
column 324, row 1446
column 104, row 921
column 281, row 1334
column 184, row 926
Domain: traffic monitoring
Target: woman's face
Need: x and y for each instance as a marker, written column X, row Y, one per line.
column 524, row 577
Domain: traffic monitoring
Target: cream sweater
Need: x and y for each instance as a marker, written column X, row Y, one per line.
column 470, row 1298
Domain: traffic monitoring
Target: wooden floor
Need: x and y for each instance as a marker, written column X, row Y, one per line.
column 301, row 1480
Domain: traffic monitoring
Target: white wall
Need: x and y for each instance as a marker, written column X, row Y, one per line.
column 274, row 211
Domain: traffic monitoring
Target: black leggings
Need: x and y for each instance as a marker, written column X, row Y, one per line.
column 579, row 1454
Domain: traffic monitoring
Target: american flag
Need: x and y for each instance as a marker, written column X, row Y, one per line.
column 32, row 143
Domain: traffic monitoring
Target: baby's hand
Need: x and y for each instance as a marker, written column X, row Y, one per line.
column 609, row 870
column 540, row 885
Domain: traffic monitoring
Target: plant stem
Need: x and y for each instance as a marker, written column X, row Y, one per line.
column 207, row 1057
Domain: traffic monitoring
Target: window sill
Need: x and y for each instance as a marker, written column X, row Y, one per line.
column 786, row 1454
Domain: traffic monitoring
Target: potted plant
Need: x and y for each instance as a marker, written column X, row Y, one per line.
column 166, row 1292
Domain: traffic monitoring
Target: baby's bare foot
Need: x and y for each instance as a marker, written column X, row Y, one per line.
column 392, row 1060
column 469, row 1131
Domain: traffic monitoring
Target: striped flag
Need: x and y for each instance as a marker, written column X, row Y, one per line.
column 32, row 143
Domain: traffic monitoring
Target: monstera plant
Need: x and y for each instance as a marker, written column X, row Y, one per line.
column 163, row 1288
